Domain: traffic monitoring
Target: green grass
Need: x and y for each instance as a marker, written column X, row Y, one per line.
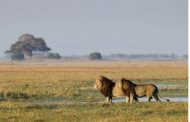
column 174, row 93
column 71, row 90
column 143, row 112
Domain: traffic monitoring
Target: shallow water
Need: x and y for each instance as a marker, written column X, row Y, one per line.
column 172, row 86
column 144, row 99
column 62, row 101
column 115, row 100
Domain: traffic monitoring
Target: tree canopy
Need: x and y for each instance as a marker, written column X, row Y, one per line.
column 27, row 44
column 95, row 56
column 53, row 56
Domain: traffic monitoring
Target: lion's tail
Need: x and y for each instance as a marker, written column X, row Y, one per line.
column 162, row 97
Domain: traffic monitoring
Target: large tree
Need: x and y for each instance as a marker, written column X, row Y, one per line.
column 27, row 44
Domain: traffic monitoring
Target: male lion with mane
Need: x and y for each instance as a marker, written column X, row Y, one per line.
column 141, row 90
column 125, row 89
column 105, row 86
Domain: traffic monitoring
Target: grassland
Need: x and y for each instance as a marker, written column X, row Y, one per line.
column 137, row 112
column 23, row 85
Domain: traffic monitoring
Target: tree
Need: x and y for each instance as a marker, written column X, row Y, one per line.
column 95, row 56
column 53, row 56
column 185, row 56
column 17, row 56
column 27, row 44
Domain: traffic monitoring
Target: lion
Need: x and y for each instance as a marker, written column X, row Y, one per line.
column 105, row 86
column 141, row 90
column 125, row 89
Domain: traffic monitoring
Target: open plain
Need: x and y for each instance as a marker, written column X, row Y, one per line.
column 60, row 90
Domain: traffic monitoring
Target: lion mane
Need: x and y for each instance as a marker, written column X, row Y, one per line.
column 105, row 86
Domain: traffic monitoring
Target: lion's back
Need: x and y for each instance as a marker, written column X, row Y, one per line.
column 143, row 89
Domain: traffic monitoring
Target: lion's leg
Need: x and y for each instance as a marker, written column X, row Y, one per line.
column 149, row 98
column 135, row 98
column 149, row 95
column 127, row 99
column 131, row 97
column 156, row 97
column 110, row 99
column 107, row 99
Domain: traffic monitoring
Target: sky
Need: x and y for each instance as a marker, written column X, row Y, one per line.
column 79, row 27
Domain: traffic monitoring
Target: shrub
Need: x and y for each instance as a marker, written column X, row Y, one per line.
column 95, row 56
column 53, row 56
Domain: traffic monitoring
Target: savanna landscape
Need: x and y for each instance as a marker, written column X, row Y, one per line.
column 58, row 90
column 94, row 61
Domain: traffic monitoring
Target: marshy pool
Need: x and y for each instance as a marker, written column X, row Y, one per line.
column 172, row 99
column 115, row 100
column 168, row 87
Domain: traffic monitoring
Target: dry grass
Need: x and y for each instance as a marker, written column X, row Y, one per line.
column 76, row 79
column 23, row 82
column 81, row 71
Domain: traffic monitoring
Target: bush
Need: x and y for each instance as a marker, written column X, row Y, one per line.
column 18, row 56
column 53, row 56
column 95, row 56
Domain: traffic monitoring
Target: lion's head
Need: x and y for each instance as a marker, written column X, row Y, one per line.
column 104, row 85
column 122, row 87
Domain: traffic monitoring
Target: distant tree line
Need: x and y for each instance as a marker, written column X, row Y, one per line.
column 120, row 56
column 28, row 46
column 144, row 56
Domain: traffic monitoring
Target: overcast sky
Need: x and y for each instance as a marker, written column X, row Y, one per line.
column 107, row 26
